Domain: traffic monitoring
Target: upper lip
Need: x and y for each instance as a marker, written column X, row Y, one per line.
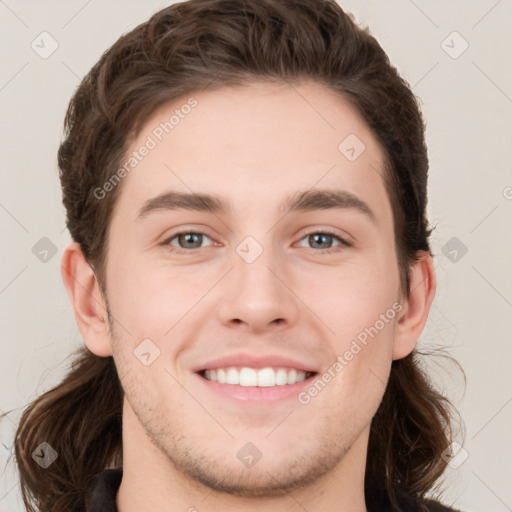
column 251, row 361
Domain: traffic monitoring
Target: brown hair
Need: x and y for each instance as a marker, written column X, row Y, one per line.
column 191, row 46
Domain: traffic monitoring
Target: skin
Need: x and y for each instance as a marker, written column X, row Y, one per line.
column 253, row 146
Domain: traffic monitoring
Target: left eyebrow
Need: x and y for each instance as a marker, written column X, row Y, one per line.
column 326, row 199
column 303, row 201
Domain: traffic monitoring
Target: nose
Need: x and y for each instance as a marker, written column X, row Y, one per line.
column 258, row 296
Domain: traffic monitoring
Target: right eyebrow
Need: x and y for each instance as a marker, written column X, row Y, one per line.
column 173, row 200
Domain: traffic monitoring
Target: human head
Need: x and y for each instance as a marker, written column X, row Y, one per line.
column 153, row 65
column 115, row 99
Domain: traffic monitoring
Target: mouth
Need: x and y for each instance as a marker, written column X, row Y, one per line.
column 255, row 386
column 256, row 377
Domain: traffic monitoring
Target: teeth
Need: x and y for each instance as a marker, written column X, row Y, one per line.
column 232, row 376
column 264, row 377
column 292, row 376
column 248, row 377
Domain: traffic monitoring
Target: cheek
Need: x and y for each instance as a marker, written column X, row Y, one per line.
column 363, row 345
column 361, row 306
column 351, row 297
column 361, row 353
column 149, row 301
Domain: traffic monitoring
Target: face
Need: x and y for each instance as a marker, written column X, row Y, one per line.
column 294, row 297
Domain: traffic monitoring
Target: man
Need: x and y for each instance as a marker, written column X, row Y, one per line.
column 245, row 184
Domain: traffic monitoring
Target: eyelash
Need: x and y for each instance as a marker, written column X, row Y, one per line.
column 177, row 250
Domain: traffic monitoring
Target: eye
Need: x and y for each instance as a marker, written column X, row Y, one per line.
column 324, row 239
column 187, row 240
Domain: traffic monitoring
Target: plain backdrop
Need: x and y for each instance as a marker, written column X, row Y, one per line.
column 455, row 55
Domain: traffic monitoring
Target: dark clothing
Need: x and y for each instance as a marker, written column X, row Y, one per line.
column 103, row 491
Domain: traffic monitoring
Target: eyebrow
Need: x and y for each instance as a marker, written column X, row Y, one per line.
column 301, row 201
column 325, row 199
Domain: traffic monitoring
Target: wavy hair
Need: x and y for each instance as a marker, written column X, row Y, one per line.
column 206, row 44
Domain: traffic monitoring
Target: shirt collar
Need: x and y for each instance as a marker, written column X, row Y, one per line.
column 103, row 491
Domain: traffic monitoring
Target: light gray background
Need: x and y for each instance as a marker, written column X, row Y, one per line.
column 467, row 103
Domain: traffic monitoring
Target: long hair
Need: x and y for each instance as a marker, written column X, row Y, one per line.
column 206, row 44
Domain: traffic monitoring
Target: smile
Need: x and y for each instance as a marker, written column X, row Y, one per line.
column 262, row 377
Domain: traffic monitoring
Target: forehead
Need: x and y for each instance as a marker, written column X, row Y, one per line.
column 253, row 146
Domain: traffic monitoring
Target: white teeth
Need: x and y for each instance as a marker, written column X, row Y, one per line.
column 264, row 377
column 301, row 376
column 281, row 377
column 232, row 376
column 248, row 377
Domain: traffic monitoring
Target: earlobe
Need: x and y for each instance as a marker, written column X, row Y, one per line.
column 87, row 300
column 416, row 307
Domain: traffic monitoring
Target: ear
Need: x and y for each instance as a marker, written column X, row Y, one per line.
column 414, row 314
column 88, row 302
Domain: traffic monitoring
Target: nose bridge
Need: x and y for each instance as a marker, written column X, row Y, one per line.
column 255, row 292
column 256, row 266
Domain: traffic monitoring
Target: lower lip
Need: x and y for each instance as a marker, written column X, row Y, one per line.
column 257, row 394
